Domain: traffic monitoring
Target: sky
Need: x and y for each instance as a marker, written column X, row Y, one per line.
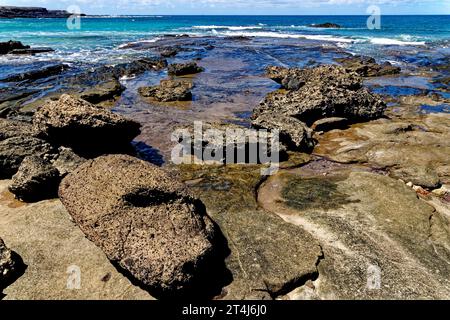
column 241, row 7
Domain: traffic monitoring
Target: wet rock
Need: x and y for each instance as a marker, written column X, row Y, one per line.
column 35, row 180
column 368, row 67
column 169, row 52
column 86, row 128
column 143, row 219
column 105, row 91
column 269, row 257
column 169, row 90
column 37, row 74
column 180, row 69
column 326, row 25
column 7, row 47
column 67, row 161
column 11, row 265
column 31, row 51
column 327, row 124
column 13, row 150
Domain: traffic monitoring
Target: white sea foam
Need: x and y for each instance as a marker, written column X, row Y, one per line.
column 269, row 34
column 234, row 28
column 122, row 46
column 395, row 42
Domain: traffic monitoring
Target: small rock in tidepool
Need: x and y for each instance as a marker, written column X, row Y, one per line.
column 294, row 134
column 104, row 91
column 11, row 265
column 180, row 69
column 67, row 161
column 86, row 128
column 169, row 52
column 7, row 47
column 169, row 90
column 143, row 219
column 13, row 150
column 35, row 180
column 368, row 67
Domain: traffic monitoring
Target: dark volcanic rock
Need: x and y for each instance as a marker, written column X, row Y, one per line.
column 169, row 52
column 86, row 128
column 13, row 150
column 7, row 47
column 169, row 90
column 326, row 25
column 144, row 221
column 37, row 74
column 31, row 51
column 32, row 12
column 179, row 69
column 11, row 266
column 35, row 180
column 368, row 67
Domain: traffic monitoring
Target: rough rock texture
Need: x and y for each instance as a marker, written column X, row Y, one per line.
column 179, row 69
column 104, row 91
column 13, row 150
column 368, row 67
column 11, row 266
column 379, row 240
column 313, row 94
column 13, row 128
column 169, row 52
column 293, row 133
column 54, row 249
column 143, row 220
column 169, row 90
column 415, row 149
column 86, row 128
column 35, row 180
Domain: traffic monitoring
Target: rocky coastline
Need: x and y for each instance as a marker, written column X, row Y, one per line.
column 11, row 12
column 364, row 179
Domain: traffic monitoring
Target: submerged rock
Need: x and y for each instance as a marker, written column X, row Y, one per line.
column 86, row 128
column 169, row 52
column 11, row 265
column 368, row 67
column 169, row 90
column 143, row 219
column 180, row 69
column 35, row 180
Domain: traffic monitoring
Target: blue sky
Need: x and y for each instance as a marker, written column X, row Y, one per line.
column 293, row 7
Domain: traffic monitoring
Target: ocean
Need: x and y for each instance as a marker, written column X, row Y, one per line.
column 99, row 37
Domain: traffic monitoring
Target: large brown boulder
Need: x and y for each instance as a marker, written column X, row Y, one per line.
column 86, row 128
column 168, row 90
column 144, row 220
